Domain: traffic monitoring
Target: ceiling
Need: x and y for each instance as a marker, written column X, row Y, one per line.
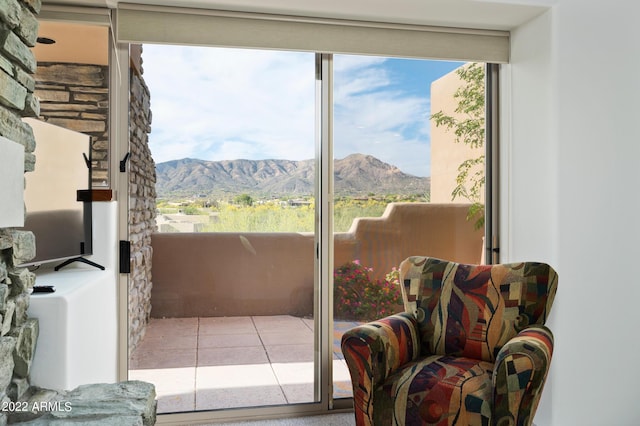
column 484, row 14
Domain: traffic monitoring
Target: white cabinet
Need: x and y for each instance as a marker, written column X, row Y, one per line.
column 78, row 340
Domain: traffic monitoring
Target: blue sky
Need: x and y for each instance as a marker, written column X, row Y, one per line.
column 225, row 104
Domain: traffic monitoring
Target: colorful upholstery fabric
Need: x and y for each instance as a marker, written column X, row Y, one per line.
column 471, row 348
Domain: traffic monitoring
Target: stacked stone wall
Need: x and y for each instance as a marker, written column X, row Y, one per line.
column 142, row 204
column 76, row 97
column 18, row 333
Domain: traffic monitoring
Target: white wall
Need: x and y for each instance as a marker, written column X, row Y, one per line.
column 570, row 181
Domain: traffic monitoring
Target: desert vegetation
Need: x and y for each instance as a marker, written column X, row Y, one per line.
column 245, row 214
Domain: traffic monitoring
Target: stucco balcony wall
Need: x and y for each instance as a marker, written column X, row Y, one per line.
column 236, row 274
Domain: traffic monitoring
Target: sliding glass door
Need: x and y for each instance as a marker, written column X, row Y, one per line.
column 289, row 187
column 408, row 179
column 233, row 319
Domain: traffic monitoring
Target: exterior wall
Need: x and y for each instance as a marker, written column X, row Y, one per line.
column 407, row 229
column 230, row 274
column 142, row 203
column 18, row 334
column 76, row 97
column 446, row 154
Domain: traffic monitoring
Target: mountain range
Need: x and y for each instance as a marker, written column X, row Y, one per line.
column 355, row 175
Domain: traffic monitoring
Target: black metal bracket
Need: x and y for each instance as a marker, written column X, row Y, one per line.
column 123, row 163
column 125, row 257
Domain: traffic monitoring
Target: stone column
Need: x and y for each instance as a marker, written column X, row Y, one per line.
column 18, row 334
column 142, row 201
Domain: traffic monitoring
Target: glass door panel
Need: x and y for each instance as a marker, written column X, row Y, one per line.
column 232, row 323
column 398, row 188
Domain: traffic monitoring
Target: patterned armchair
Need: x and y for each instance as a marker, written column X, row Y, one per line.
column 471, row 348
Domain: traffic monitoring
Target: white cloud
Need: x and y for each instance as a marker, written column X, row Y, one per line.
column 373, row 118
column 350, row 63
column 224, row 104
column 204, row 98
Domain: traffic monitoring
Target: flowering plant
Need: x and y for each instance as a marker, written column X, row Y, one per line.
column 358, row 297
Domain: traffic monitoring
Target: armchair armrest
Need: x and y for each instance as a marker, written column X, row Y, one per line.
column 519, row 374
column 375, row 350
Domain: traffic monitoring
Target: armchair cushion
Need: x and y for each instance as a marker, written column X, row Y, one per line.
column 438, row 389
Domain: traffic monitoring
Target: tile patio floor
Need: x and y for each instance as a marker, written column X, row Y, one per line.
column 224, row 362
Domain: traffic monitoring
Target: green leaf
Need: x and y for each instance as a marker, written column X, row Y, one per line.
column 469, row 130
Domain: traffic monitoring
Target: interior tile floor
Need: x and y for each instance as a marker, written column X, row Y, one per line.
column 226, row 362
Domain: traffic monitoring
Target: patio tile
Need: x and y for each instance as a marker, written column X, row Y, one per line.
column 344, row 325
column 224, row 362
column 170, row 327
column 290, row 353
column 185, row 341
column 213, row 399
column 226, row 325
column 227, row 377
column 309, row 322
column 169, row 358
column 176, row 403
column 233, row 386
column 228, row 340
column 289, row 373
column 287, row 338
column 299, row 393
column 280, row 323
column 232, row 356
column 340, row 370
column 339, row 328
column 341, row 380
column 175, row 387
column 296, row 380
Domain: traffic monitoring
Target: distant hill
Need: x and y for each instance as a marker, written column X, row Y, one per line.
column 355, row 175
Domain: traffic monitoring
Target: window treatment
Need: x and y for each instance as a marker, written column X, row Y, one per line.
column 168, row 25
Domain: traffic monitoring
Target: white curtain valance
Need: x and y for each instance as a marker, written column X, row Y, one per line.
column 167, row 25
